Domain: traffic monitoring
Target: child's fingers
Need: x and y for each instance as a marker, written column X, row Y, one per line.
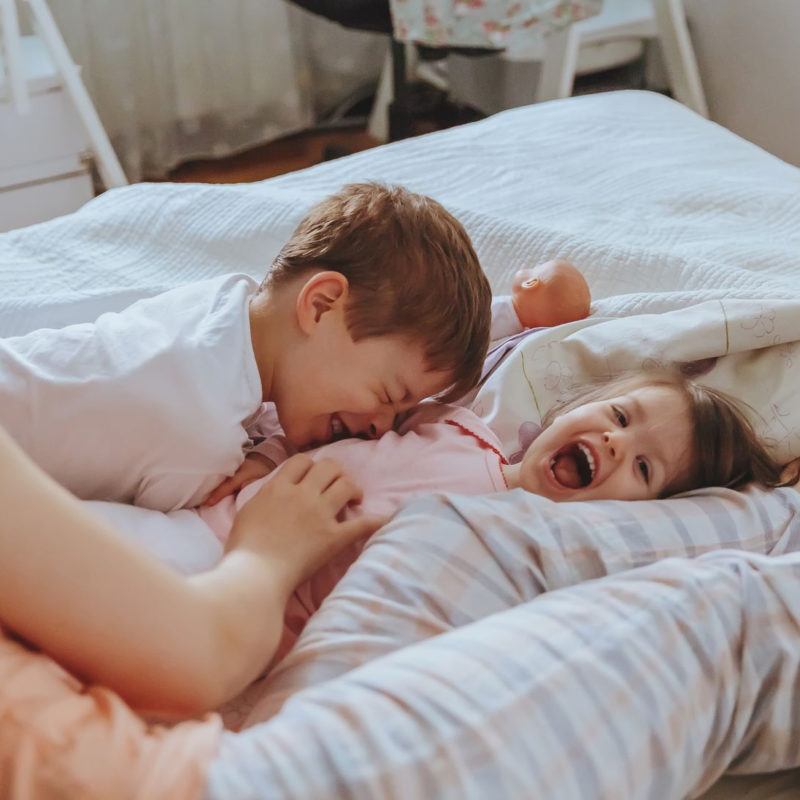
column 324, row 473
column 295, row 469
column 341, row 492
column 227, row 487
column 362, row 527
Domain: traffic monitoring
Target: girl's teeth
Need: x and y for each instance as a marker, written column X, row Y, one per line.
column 589, row 458
column 336, row 426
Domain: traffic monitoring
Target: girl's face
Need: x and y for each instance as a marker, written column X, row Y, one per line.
column 626, row 448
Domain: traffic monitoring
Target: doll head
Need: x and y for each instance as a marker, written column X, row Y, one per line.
column 550, row 294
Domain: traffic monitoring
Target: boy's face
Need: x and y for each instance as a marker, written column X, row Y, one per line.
column 334, row 387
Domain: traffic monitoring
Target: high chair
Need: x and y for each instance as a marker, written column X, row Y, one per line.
column 664, row 20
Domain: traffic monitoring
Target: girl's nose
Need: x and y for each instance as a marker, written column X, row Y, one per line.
column 613, row 444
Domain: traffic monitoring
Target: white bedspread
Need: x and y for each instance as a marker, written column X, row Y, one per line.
column 660, row 208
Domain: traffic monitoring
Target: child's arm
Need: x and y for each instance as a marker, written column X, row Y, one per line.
column 254, row 466
column 257, row 463
column 116, row 616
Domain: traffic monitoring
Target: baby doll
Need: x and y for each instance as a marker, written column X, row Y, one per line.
column 549, row 294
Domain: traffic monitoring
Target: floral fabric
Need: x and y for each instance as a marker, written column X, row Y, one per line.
column 493, row 24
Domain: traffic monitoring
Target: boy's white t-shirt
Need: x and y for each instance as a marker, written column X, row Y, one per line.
column 147, row 406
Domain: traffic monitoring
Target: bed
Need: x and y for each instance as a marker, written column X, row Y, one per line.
column 688, row 237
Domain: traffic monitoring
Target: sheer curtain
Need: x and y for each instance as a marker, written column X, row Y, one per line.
column 180, row 79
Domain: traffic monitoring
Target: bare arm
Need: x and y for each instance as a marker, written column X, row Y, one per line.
column 117, row 617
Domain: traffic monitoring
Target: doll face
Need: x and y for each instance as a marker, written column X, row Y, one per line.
column 625, row 448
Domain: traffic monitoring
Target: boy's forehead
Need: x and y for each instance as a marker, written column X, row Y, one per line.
column 405, row 364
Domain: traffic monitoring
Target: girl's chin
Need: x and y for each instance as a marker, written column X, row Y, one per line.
column 545, row 489
column 544, row 483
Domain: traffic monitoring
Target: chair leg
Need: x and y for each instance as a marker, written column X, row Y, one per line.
column 559, row 64
column 400, row 111
column 378, row 125
column 12, row 49
column 679, row 57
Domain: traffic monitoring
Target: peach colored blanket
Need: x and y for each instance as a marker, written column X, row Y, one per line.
column 60, row 738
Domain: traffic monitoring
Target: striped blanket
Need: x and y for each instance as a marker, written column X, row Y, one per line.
column 650, row 682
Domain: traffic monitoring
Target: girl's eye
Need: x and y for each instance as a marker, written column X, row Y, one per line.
column 644, row 469
column 620, row 416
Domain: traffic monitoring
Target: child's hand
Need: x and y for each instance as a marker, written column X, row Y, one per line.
column 253, row 467
column 294, row 522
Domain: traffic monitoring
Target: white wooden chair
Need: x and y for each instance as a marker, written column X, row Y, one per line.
column 625, row 19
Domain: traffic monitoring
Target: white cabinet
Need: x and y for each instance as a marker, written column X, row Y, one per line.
column 43, row 172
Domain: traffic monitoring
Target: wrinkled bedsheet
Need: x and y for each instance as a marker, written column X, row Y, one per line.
column 453, row 560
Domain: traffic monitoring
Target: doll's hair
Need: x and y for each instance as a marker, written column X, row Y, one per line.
column 725, row 449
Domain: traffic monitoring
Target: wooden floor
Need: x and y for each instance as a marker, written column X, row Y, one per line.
column 275, row 158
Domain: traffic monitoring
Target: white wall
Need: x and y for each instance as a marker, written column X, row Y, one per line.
column 749, row 57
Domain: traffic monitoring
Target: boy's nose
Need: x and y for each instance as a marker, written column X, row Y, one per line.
column 380, row 423
column 372, row 426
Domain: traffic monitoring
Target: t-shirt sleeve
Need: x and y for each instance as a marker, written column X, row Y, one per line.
column 143, row 406
column 264, row 423
column 266, row 435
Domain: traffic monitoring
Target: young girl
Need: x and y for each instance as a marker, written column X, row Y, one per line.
column 640, row 437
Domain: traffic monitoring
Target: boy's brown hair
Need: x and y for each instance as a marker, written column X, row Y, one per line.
column 411, row 269
column 726, row 450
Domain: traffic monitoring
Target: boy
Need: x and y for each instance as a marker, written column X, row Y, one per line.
column 377, row 301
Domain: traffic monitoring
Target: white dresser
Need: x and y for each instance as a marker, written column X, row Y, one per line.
column 43, row 172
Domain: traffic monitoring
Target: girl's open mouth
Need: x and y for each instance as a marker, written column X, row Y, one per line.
column 574, row 466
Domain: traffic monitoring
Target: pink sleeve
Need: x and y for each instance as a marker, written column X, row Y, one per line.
column 276, row 449
column 265, row 430
column 264, row 423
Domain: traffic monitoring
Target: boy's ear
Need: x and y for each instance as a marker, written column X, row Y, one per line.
column 322, row 292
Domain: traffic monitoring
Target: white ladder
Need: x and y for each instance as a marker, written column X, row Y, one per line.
column 108, row 165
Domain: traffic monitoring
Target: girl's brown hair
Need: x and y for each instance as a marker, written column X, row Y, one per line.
column 725, row 449
column 411, row 268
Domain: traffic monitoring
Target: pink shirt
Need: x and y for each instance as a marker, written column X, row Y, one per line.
column 439, row 448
